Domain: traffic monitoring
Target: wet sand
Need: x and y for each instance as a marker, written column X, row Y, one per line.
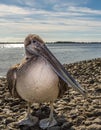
column 72, row 111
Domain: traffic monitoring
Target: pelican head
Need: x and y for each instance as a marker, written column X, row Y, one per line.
column 32, row 43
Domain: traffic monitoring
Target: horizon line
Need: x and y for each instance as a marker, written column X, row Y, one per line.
column 53, row 42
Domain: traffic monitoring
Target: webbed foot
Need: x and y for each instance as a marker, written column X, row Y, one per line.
column 29, row 121
column 45, row 123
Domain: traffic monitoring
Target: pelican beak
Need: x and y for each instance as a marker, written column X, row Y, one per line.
column 44, row 52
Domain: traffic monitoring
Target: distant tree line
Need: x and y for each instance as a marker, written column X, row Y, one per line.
column 68, row 42
column 57, row 42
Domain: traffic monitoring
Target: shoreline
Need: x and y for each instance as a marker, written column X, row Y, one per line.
column 73, row 63
column 79, row 113
column 55, row 42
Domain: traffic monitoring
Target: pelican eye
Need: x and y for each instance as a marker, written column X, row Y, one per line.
column 34, row 41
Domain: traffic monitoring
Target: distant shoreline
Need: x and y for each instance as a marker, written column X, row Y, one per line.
column 73, row 64
column 58, row 42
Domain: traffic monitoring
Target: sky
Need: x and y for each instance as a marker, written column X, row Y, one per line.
column 53, row 20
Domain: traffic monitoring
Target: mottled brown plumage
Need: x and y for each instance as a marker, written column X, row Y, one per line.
column 11, row 80
column 17, row 69
column 40, row 77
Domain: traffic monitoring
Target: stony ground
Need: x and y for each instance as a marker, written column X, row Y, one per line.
column 72, row 112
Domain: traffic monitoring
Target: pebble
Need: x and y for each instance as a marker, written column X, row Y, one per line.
column 61, row 120
column 54, row 128
column 9, row 120
column 94, row 127
column 97, row 121
column 87, row 123
column 72, row 112
column 66, row 125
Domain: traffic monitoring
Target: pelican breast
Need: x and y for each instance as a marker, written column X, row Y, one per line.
column 37, row 82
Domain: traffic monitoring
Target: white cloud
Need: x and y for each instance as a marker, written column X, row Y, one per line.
column 84, row 10
column 72, row 22
column 12, row 10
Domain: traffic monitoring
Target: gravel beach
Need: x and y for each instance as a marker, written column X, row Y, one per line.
column 72, row 111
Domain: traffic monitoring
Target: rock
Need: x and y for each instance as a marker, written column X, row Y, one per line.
column 54, row 128
column 82, row 128
column 95, row 112
column 72, row 128
column 66, row 125
column 1, row 110
column 25, row 128
column 97, row 121
column 80, row 120
column 87, row 123
column 2, row 127
column 61, row 120
column 9, row 120
column 2, row 117
column 94, row 127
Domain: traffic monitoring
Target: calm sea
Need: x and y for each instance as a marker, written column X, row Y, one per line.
column 66, row 53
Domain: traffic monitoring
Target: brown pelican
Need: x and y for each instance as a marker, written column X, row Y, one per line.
column 39, row 78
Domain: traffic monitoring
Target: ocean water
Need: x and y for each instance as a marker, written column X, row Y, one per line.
column 11, row 54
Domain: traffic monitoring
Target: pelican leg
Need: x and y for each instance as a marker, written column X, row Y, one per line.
column 29, row 120
column 48, row 122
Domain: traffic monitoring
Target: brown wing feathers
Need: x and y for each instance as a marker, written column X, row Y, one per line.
column 11, row 80
column 63, row 87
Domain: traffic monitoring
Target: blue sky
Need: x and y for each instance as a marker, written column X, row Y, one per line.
column 53, row 20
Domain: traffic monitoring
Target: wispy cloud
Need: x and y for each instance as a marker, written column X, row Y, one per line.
column 54, row 20
column 6, row 10
column 85, row 10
